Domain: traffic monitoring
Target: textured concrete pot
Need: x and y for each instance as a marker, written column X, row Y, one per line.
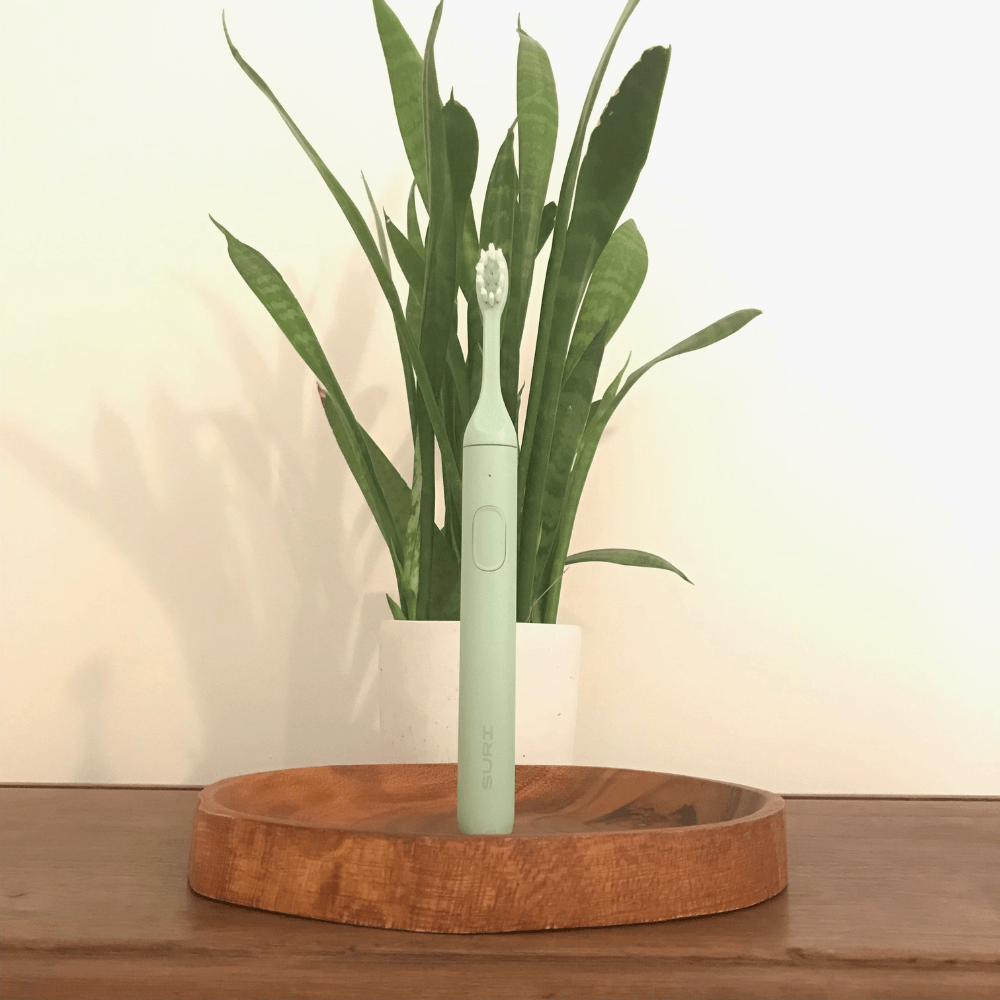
column 418, row 692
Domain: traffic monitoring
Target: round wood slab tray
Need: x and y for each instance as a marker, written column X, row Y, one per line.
column 379, row 845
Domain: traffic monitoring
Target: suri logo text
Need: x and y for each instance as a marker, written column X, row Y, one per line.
column 487, row 756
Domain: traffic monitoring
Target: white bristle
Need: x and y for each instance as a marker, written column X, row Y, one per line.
column 491, row 276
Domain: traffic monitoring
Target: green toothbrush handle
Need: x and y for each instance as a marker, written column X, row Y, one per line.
column 487, row 658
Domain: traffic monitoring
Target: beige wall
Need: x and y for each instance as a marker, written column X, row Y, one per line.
column 191, row 584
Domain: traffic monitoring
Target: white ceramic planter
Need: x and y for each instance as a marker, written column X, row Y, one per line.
column 418, row 692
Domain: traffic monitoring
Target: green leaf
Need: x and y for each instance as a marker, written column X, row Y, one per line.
column 537, row 125
column 463, row 161
column 574, row 408
column 444, row 575
column 365, row 476
column 414, row 312
column 545, row 226
column 274, row 294
column 406, row 73
column 395, row 490
column 501, row 197
column 408, row 346
column 597, row 419
column 409, row 260
column 527, row 543
column 474, row 319
column 601, row 413
column 397, row 611
column 413, row 224
column 414, row 308
column 383, row 250
column 460, row 387
column 625, row 557
column 463, row 153
column 413, row 237
column 411, row 545
column 499, row 214
column 445, row 581
column 439, row 317
column 560, row 226
column 425, row 443
column 615, row 156
column 713, row 333
column 452, row 418
column 614, row 285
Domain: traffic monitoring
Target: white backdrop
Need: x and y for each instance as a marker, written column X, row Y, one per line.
column 191, row 582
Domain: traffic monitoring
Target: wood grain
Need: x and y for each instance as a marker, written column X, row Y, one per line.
column 885, row 899
column 379, row 845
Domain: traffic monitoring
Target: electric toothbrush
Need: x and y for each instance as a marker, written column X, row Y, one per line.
column 489, row 583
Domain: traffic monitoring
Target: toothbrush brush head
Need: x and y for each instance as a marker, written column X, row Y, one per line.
column 491, row 280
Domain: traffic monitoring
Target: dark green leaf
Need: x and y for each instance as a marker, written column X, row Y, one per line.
column 597, row 419
column 499, row 213
column 406, row 72
column 469, row 254
column 617, row 278
column 615, row 156
column 537, row 125
column 501, row 197
column 463, row 159
column 545, row 226
column 444, row 569
column 445, row 581
column 574, row 408
column 410, row 584
column 413, row 316
column 439, row 318
column 413, row 237
column 527, row 541
column 554, row 265
column 460, row 387
column 413, row 224
column 463, row 153
column 410, row 262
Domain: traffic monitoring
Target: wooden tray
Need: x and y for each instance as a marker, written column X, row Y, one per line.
column 379, row 845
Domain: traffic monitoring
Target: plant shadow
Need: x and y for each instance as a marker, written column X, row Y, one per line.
column 249, row 547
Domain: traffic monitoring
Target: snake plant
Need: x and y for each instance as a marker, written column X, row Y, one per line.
column 595, row 269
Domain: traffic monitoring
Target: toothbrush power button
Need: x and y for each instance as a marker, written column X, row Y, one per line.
column 489, row 541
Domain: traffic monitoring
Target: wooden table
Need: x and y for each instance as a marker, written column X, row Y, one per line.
column 886, row 898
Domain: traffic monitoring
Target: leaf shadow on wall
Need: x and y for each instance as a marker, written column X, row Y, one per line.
column 247, row 551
